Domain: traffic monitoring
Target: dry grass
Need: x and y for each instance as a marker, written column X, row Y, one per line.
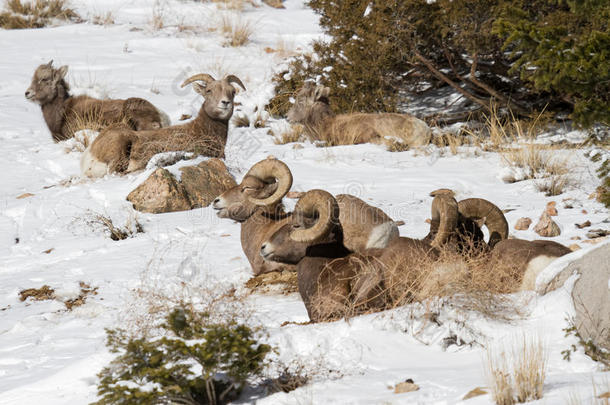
column 235, row 5
column 35, row 14
column 104, row 19
column 132, row 226
column 517, row 375
column 283, row 282
column 241, row 121
column 289, row 134
column 236, row 30
column 465, row 280
column 157, row 20
column 37, row 294
column 93, row 120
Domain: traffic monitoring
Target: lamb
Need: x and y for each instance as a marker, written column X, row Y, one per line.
column 330, row 276
column 122, row 150
column 62, row 111
column 313, row 111
column 256, row 204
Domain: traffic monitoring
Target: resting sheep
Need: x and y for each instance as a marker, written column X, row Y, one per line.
column 121, row 150
column 256, row 204
column 62, row 112
column 330, row 276
column 312, row 110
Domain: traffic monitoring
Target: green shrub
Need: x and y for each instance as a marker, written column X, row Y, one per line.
column 196, row 361
column 490, row 51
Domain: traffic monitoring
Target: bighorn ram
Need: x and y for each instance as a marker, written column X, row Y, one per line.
column 312, row 110
column 526, row 258
column 62, row 111
column 329, row 274
column 122, row 150
column 257, row 203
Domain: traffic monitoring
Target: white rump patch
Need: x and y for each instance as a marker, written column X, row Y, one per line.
column 91, row 167
column 381, row 235
column 535, row 267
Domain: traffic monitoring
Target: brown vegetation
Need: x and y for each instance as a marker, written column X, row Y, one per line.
column 35, row 14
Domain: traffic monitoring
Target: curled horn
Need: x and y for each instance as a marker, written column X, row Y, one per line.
column 234, row 79
column 315, row 203
column 495, row 221
column 445, row 216
column 269, row 170
column 200, row 76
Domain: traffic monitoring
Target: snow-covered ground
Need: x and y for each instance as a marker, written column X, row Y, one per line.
column 49, row 355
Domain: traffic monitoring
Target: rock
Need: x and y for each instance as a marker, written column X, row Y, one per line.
column 478, row 391
column 523, row 224
column 590, row 295
column 198, row 187
column 206, row 181
column 597, row 233
column 550, row 209
column 160, row 192
column 24, row 195
column 546, row 226
column 574, row 246
column 407, row 386
column 583, row 225
column 596, row 240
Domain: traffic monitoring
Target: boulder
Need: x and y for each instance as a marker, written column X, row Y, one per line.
column 546, row 226
column 523, row 224
column 591, row 294
column 160, row 192
column 206, row 181
column 198, row 187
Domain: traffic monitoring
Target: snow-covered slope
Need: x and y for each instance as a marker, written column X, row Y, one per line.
column 50, row 355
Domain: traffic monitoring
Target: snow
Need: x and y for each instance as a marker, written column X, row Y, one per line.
column 50, row 355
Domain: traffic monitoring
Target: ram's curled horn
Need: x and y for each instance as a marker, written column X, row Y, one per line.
column 234, row 79
column 444, row 217
column 272, row 170
column 315, row 203
column 204, row 77
column 478, row 208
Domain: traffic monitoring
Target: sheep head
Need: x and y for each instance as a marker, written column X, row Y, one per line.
column 218, row 94
column 44, row 87
column 307, row 101
column 478, row 209
column 265, row 184
column 315, row 220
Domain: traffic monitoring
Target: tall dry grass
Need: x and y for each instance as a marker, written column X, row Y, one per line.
column 516, row 374
column 236, row 29
column 20, row 14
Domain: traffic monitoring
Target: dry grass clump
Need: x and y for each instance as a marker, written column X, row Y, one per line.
column 236, row 5
column 37, row 294
column 283, row 282
column 35, row 14
column 93, row 120
column 236, row 30
column 104, row 19
column 468, row 281
column 289, row 134
column 241, row 121
column 85, row 291
column 517, row 376
column 132, row 226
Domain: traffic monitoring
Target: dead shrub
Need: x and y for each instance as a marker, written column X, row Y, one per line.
column 35, row 14
column 241, row 121
column 104, row 19
column 37, row 294
column 94, row 120
column 131, row 228
column 289, row 378
column 517, row 374
column 236, row 30
column 85, row 291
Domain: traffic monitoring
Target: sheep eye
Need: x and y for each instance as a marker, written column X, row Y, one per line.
column 208, row 91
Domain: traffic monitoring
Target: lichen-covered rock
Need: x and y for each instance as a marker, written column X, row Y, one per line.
column 206, row 181
column 198, row 187
column 547, row 227
column 161, row 192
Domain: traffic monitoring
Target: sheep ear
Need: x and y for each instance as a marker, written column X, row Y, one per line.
column 50, row 64
column 61, row 72
column 199, row 88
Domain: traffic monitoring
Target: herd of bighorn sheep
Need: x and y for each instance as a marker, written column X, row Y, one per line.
column 343, row 250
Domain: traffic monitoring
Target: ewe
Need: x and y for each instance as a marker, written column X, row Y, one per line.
column 64, row 113
column 121, row 150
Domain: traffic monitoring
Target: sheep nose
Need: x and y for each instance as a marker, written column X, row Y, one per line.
column 28, row 94
column 216, row 201
column 225, row 103
column 263, row 247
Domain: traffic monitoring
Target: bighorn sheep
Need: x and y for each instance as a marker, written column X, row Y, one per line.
column 256, row 204
column 526, row 258
column 312, row 110
column 329, row 274
column 122, row 150
column 62, row 112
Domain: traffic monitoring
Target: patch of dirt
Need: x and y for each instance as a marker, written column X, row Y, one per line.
column 37, row 294
column 283, row 282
